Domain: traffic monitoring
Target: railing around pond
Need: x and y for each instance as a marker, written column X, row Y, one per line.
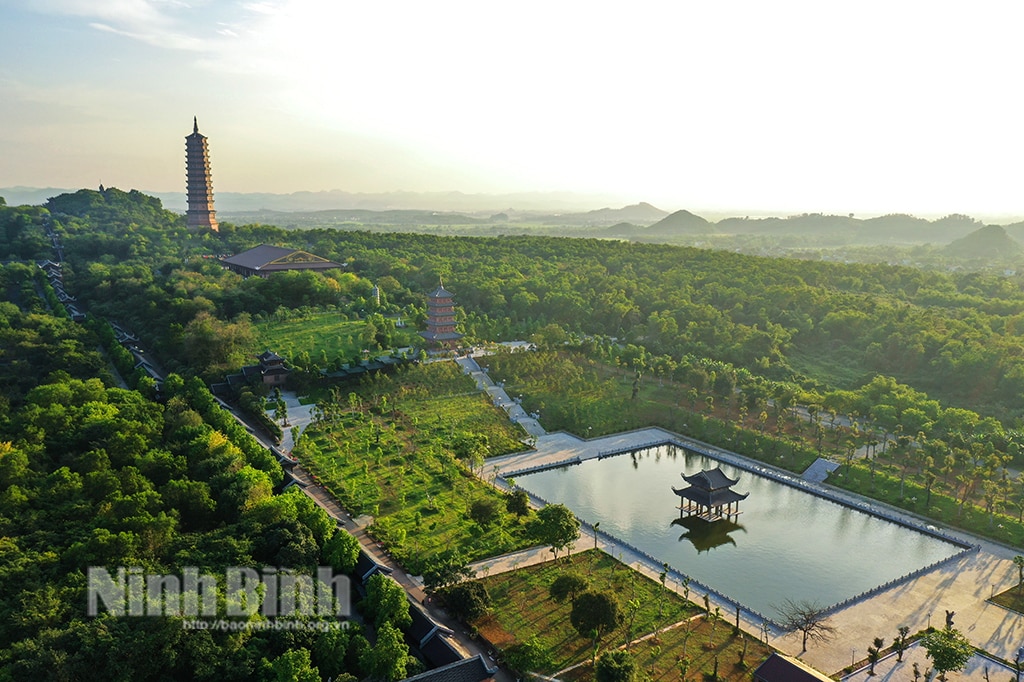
column 785, row 478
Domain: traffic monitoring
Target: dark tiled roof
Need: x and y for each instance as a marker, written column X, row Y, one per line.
column 779, row 668
column 267, row 258
column 473, row 669
column 438, row 651
column 423, row 627
column 366, row 566
column 710, row 498
column 710, row 479
column 269, row 356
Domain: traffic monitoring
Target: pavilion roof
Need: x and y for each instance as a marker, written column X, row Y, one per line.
column 710, row 498
column 710, row 479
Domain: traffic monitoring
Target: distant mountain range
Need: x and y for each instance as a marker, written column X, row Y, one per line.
column 568, row 214
column 250, row 202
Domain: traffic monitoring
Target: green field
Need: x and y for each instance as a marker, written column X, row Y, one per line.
column 403, row 448
column 522, row 609
column 325, row 336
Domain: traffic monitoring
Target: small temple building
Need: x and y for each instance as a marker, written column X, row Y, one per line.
column 709, row 495
column 264, row 260
column 270, row 371
column 198, row 184
column 440, row 332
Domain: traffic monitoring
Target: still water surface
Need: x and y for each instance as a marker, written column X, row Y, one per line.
column 785, row 543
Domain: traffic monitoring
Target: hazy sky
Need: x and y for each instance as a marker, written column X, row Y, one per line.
column 863, row 107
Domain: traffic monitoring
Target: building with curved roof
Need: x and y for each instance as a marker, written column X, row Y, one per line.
column 710, row 495
column 264, row 260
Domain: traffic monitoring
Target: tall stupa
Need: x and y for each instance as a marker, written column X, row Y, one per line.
column 198, row 184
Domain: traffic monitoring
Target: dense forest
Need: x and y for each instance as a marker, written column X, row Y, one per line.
column 95, row 470
column 953, row 336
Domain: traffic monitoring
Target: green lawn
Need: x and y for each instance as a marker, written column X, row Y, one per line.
column 325, row 336
column 1012, row 598
column 523, row 609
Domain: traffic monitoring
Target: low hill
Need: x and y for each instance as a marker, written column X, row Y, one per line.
column 990, row 242
column 637, row 214
column 680, row 222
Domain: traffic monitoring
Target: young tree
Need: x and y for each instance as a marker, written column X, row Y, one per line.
column 556, row 526
column 386, row 602
column 874, row 653
column 485, row 512
column 467, row 600
column 567, row 586
column 518, row 502
column 900, row 642
column 616, row 666
column 808, row 617
column 948, row 649
column 594, row 614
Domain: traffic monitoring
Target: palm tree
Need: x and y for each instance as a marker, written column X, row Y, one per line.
column 874, row 653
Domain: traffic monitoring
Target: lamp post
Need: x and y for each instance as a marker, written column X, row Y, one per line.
column 1017, row 661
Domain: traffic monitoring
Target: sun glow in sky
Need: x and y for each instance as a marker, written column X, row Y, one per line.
column 867, row 107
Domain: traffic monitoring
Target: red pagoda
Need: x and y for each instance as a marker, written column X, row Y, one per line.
column 709, row 493
column 440, row 332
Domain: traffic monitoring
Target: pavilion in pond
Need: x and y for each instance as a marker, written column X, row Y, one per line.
column 709, row 495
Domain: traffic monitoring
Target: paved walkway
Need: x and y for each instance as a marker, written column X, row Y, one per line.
column 962, row 586
column 299, row 417
column 979, row 668
column 500, row 398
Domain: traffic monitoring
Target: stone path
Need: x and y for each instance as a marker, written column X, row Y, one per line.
column 499, row 397
column 299, row 417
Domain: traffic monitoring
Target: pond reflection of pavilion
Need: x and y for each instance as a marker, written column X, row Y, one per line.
column 709, row 496
column 706, row 535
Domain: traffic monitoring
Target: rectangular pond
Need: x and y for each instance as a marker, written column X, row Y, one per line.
column 785, row 544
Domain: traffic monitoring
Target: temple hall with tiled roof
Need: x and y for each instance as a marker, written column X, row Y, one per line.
column 264, row 260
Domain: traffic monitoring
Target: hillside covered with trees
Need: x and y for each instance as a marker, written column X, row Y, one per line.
column 96, row 469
